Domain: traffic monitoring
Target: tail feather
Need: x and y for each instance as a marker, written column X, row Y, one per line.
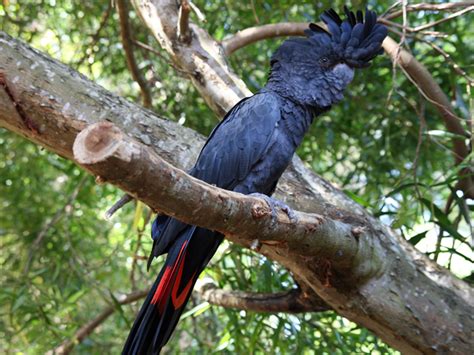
column 187, row 257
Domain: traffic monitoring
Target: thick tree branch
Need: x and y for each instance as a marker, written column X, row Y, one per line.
column 83, row 332
column 292, row 301
column 414, row 305
column 107, row 153
column 127, row 43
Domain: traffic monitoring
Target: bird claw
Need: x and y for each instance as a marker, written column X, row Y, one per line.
column 273, row 203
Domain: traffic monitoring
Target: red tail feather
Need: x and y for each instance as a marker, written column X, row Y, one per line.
column 164, row 287
column 179, row 300
column 165, row 303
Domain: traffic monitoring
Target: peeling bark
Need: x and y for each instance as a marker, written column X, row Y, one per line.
column 200, row 57
column 412, row 303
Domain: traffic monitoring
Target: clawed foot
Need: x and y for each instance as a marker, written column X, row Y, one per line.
column 273, row 203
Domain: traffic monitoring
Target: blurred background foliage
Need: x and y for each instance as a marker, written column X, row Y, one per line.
column 62, row 263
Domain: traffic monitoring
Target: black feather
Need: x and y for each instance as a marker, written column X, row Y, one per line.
column 334, row 16
column 316, row 29
column 350, row 16
column 356, row 40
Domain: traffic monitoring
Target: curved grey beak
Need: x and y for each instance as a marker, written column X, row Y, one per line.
column 345, row 72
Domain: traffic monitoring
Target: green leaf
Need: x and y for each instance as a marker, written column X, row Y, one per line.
column 224, row 342
column 76, row 295
column 417, row 238
column 357, row 198
column 403, row 187
column 119, row 308
column 196, row 311
column 138, row 214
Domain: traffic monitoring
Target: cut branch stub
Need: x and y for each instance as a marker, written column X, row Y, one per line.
column 97, row 142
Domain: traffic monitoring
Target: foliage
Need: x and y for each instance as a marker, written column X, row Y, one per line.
column 62, row 263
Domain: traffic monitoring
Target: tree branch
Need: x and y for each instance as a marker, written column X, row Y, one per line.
column 292, row 301
column 201, row 59
column 254, row 34
column 447, row 18
column 431, row 24
column 127, row 44
column 107, row 153
column 84, row 331
column 433, row 93
column 183, row 22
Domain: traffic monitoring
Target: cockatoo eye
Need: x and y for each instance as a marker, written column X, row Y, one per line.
column 324, row 60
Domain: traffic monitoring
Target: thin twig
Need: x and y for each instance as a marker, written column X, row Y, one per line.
column 428, row 25
column 159, row 54
column 254, row 11
column 446, row 56
column 453, row 243
column 421, row 115
column 447, row 18
column 83, row 332
column 439, row 239
column 399, row 49
column 434, row 102
column 127, row 44
column 66, row 209
column 387, row 12
column 426, row 7
column 96, row 36
column 404, row 32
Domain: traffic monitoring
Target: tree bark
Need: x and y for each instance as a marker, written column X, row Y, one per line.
column 410, row 302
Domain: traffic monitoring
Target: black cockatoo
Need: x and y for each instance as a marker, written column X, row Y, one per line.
column 249, row 150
